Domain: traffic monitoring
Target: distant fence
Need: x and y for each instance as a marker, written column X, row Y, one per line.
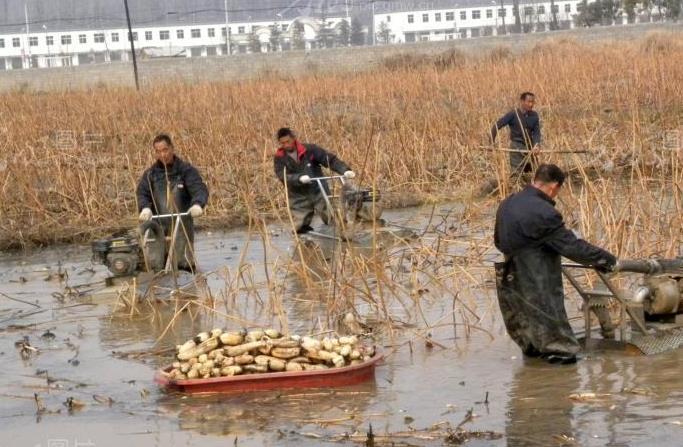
column 293, row 63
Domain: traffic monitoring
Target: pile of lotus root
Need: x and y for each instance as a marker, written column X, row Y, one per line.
column 220, row 354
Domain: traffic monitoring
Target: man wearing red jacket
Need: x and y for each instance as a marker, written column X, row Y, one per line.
column 295, row 164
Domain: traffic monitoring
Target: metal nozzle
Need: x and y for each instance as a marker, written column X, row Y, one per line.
column 650, row 266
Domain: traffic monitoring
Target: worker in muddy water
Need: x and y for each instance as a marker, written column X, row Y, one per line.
column 295, row 165
column 531, row 234
column 172, row 185
column 525, row 133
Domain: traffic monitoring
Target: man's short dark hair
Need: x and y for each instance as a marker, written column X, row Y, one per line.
column 162, row 137
column 549, row 173
column 285, row 132
column 524, row 96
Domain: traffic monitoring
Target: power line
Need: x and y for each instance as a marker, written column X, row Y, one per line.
column 313, row 8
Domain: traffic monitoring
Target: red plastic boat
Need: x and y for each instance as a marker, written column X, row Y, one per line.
column 333, row 377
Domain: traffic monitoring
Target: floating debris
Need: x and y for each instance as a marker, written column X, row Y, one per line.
column 40, row 406
column 104, row 400
column 638, row 391
column 589, row 397
column 74, row 404
column 565, row 440
column 48, row 335
column 25, row 348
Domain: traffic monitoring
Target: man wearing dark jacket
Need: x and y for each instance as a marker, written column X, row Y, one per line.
column 295, row 164
column 531, row 234
column 525, row 133
column 172, row 185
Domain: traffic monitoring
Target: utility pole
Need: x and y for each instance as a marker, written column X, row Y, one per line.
column 373, row 23
column 227, row 29
column 28, row 44
column 348, row 21
column 132, row 46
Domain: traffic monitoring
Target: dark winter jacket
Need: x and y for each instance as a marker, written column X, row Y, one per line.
column 183, row 181
column 528, row 221
column 525, row 128
column 310, row 161
column 532, row 235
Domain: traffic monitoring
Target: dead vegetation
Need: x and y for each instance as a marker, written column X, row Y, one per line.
column 69, row 161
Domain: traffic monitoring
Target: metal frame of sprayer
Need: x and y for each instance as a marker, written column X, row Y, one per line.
column 655, row 308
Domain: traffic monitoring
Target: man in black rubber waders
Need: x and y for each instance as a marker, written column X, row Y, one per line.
column 531, row 234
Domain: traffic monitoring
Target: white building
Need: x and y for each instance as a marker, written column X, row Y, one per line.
column 38, row 34
column 40, row 49
column 398, row 22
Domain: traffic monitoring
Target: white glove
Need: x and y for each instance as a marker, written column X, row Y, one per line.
column 350, row 174
column 195, row 210
column 305, row 179
column 145, row 215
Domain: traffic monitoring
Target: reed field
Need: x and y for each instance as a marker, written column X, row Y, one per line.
column 417, row 129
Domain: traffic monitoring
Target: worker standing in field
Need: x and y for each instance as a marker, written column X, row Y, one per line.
column 525, row 133
column 172, row 185
column 295, row 164
column 531, row 234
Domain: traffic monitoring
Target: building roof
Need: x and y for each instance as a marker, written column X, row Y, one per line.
column 68, row 15
column 388, row 6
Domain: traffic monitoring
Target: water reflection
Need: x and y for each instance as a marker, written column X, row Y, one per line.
column 283, row 411
column 539, row 408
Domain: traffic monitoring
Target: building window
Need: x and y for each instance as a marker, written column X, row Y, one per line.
column 114, row 37
column 180, row 34
column 579, row 7
column 196, row 33
column 66, row 39
column 16, row 43
column 411, row 18
column 33, row 41
column 540, row 10
column 240, row 30
column 223, row 32
column 476, row 14
column 82, row 38
column 489, row 13
column 49, row 40
column 99, row 38
column 425, row 18
column 388, row 19
column 450, row 16
column 2, row 43
column 501, row 12
column 437, row 17
column 528, row 10
column 285, row 27
column 164, row 35
column 567, row 7
column 212, row 32
column 148, row 35
column 135, row 36
column 463, row 15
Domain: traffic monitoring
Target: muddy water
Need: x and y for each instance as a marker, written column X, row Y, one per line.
column 639, row 400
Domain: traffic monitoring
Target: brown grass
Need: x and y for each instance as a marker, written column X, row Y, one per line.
column 416, row 130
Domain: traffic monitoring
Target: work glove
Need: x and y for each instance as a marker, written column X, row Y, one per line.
column 305, row 179
column 145, row 215
column 349, row 174
column 603, row 266
column 195, row 210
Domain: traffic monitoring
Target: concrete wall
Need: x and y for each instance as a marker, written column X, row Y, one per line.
column 293, row 62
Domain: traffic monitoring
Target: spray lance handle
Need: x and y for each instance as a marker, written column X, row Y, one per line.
column 650, row 266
